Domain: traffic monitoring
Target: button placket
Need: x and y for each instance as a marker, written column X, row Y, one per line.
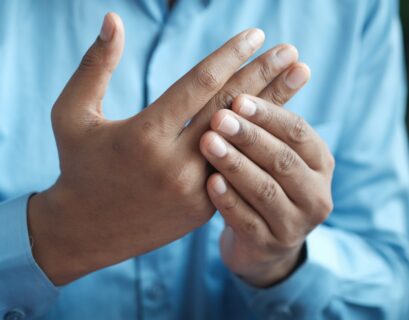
column 156, row 292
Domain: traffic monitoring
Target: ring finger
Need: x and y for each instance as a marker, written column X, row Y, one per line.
column 255, row 185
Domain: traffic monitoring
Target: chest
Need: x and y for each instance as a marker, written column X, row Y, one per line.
column 42, row 43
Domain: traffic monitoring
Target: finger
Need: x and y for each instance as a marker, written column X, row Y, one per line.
column 241, row 217
column 288, row 127
column 284, row 87
column 251, row 79
column 82, row 96
column 298, row 181
column 256, row 186
column 190, row 93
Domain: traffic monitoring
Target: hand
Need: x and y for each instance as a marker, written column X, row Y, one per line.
column 273, row 185
column 127, row 187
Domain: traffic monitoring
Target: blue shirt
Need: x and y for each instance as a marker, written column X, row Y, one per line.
column 357, row 264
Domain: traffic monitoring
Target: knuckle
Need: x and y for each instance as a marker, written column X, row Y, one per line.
column 267, row 244
column 298, row 130
column 235, row 164
column 249, row 136
column 267, row 115
column 319, row 207
column 92, row 122
column 238, row 53
column 250, row 226
column 146, row 143
column 93, row 58
column 181, row 179
column 286, row 160
column 290, row 235
column 63, row 123
column 324, row 205
column 265, row 71
column 277, row 96
column 266, row 192
column 289, row 240
column 207, row 79
column 224, row 98
column 230, row 203
column 265, row 240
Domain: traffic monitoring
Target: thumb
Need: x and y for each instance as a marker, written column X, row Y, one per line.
column 86, row 88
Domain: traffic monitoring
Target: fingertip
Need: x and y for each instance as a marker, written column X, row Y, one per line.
column 244, row 105
column 205, row 140
column 117, row 20
column 297, row 76
column 260, row 31
column 255, row 37
column 306, row 68
column 213, row 145
column 107, row 29
column 216, row 184
column 111, row 27
column 235, row 104
column 290, row 47
column 217, row 118
column 261, row 34
column 114, row 16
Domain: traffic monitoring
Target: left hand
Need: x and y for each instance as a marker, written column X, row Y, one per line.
column 273, row 186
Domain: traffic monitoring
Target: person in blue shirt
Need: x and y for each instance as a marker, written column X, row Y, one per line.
column 230, row 193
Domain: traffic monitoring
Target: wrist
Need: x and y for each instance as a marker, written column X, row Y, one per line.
column 53, row 247
column 275, row 271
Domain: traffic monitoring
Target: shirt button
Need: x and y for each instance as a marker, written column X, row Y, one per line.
column 281, row 313
column 285, row 312
column 15, row 314
column 155, row 292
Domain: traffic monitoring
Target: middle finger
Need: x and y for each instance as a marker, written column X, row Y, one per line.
column 255, row 185
column 278, row 159
column 251, row 79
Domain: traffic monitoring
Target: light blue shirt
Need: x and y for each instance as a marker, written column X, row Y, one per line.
column 357, row 264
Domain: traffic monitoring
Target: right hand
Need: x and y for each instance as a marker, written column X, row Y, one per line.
column 127, row 187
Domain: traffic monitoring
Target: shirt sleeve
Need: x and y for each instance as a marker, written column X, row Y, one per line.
column 357, row 262
column 24, row 288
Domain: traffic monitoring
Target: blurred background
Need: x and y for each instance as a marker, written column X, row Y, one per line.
column 405, row 22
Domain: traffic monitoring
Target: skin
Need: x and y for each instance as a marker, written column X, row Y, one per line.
column 130, row 186
column 273, row 186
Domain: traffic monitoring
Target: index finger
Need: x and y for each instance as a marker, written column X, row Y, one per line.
column 288, row 127
column 191, row 93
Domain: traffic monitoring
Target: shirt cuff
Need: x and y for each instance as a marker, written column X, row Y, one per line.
column 303, row 295
column 24, row 289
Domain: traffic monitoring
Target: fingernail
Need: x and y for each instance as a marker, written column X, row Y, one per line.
column 247, row 108
column 296, row 78
column 285, row 56
column 255, row 37
column 107, row 29
column 219, row 187
column 217, row 147
column 229, row 125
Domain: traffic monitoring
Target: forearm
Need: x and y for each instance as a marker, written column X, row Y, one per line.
column 54, row 249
